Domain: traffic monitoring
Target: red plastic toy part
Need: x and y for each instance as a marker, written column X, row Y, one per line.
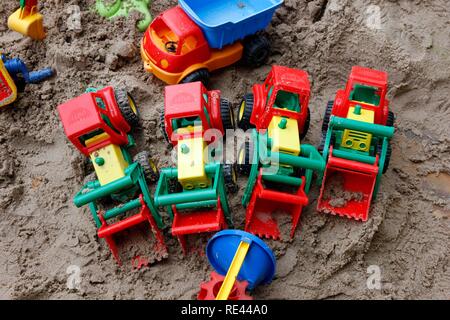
column 173, row 59
column 190, row 101
column 196, row 223
column 368, row 77
column 353, row 178
column 108, row 231
column 280, row 79
column 264, row 204
column 90, row 114
column 209, row 290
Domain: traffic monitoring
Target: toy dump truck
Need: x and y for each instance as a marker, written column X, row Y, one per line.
column 187, row 42
column 195, row 192
column 98, row 123
column 14, row 75
column 357, row 128
column 280, row 168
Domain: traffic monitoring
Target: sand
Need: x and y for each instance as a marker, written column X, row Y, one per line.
column 50, row 249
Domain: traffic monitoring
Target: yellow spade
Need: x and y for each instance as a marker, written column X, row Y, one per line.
column 27, row 20
column 233, row 271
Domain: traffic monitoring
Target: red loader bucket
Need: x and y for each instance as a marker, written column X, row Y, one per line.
column 347, row 188
column 185, row 223
column 266, row 205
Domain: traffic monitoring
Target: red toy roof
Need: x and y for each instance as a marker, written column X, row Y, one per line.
column 182, row 99
column 291, row 79
column 180, row 23
column 368, row 76
column 79, row 114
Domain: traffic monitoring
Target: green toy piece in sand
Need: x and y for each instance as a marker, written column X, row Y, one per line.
column 122, row 8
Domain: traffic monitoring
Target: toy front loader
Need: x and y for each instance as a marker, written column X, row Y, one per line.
column 98, row 124
column 352, row 178
column 269, row 191
column 27, row 20
column 133, row 182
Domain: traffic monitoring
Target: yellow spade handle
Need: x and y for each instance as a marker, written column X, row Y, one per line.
column 233, row 271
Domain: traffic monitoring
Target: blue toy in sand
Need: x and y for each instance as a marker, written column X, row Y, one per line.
column 224, row 22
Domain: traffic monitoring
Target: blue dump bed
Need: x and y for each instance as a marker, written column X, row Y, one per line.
column 225, row 21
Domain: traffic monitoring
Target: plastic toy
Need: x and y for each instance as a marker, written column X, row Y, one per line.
column 98, row 123
column 241, row 262
column 357, row 129
column 280, row 169
column 14, row 75
column 27, row 20
column 195, row 193
column 122, row 8
column 187, row 42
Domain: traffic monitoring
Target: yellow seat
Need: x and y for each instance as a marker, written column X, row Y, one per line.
column 191, row 164
column 285, row 136
column 109, row 162
column 357, row 140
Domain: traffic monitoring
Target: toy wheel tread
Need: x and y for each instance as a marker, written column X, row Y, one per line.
column 244, row 158
column 327, row 116
column 151, row 172
column 127, row 107
column 390, row 119
column 227, row 115
column 198, row 75
column 230, row 176
column 388, row 156
column 256, row 50
column 245, row 112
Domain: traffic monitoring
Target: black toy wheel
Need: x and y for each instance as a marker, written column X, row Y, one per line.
column 245, row 112
column 245, row 156
column 388, row 156
column 127, row 107
column 256, row 50
column 151, row 172
column 230, row 177
column 226, row 113
column 390, row 119
column 327, row 116
column 198, row 75
column 162, row 126
column 306, row 126
column 321, row 146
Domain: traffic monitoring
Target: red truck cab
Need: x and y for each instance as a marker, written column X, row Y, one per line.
column 285, row 93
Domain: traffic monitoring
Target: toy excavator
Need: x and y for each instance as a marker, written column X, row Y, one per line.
column 280, row 169
column 98, row 123
column 14, row 75
column 356, row 132
column 27, row 20
column 195, row 192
